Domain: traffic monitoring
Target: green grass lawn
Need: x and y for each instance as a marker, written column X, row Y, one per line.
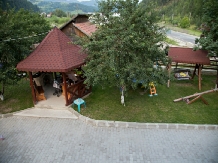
column 170, row 41
column 57, row 21
column 104, row 104
column 191, row 30
column 17, row 97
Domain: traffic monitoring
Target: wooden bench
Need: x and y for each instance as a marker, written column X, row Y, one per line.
column 40, row 93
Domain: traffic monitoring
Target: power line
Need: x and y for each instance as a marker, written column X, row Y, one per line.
column 21, row 38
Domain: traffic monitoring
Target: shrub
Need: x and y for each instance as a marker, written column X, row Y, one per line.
column 185, row 22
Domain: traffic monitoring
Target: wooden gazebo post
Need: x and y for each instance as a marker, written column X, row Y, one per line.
column 169, row 72
column 65, row 87
column 32, row 88
column 199, row 77
column 198, row 66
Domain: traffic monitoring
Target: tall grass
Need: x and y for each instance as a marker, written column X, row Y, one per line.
column 57, row 21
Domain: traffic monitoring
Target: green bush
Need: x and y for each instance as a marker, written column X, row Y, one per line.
column 185, row 23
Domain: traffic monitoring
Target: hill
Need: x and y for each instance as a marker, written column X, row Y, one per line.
column 83, row 2
column 50, row 6
column 17, row 4
column 175, row 10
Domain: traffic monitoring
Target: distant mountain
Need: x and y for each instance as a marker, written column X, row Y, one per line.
column 17, row 4
column 84, row 2
column 66, row 5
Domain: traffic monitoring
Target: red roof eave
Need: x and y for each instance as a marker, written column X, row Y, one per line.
column 188, row 55
column 54, row 54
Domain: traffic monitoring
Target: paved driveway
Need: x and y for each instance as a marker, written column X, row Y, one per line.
column 182, row 36
column 44, row 140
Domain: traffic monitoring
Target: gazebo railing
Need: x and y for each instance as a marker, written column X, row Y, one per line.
column 77, row 90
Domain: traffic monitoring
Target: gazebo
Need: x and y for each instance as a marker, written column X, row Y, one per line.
column 56, row 53
column 188, row 55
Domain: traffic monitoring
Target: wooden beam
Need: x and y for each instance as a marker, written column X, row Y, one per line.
column 198, row 97
column 204, row 100
column 65, row 87
column 194, row 99
column 32, row 88
column 196, row 66
column 199, row 77
column 196, row 94
column 169, row 72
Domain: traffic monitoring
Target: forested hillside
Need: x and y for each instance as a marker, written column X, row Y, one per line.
column 17, row 4
column 47, row 6
column 175, row 10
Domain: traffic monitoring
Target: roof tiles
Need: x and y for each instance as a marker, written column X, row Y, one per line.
column 55, row 53
column 188, row 55
column 87, row 27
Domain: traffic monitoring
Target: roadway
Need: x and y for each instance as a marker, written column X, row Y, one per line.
column 181, row 36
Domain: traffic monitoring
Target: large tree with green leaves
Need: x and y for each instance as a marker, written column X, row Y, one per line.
column 18, row 31
column 59, row 13
column 209, row 37
column 126, row 46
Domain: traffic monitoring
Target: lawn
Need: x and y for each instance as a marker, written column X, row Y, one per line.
column 104, row 104
column 170, row 41
column 191, row 30
column 17, row 97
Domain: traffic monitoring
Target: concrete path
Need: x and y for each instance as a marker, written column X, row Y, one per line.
column 45, row 140
column 52, row 113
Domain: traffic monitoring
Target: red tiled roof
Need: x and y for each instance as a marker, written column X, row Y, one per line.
column 55, row 53
column 87, row 27
column 188, row 55
column 72, row 20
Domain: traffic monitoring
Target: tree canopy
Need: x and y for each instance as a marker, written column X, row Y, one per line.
column 18, row 31
column 18, row 4
column 59, row 13
column 178, row 9
column 209, row 37
column 127, row 44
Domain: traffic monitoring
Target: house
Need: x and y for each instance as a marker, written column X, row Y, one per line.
column 43, row 14
column 49, row 15
column 79, row 26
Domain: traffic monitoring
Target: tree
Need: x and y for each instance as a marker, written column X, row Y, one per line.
column 184, row 23
column 124, row 49
column 209, row 36
column 59, row 13
column 18, row 4
column 18, row 31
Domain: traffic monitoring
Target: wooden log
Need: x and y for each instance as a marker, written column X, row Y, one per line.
column 196, row 94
